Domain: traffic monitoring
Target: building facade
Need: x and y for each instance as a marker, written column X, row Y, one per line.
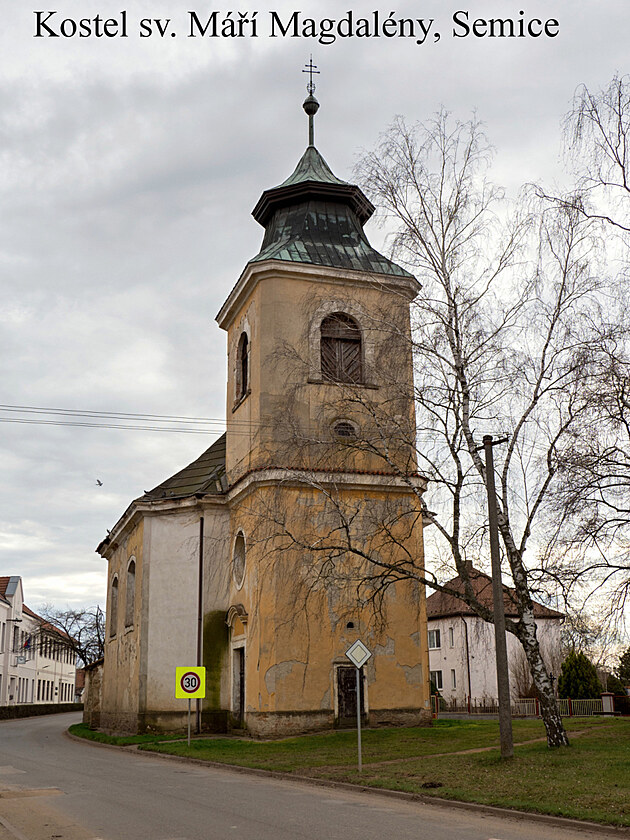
column 37, row 662
column 223, row 564
column 462, row 653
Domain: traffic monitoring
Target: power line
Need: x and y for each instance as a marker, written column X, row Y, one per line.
column 122, row 415
column 109, row 426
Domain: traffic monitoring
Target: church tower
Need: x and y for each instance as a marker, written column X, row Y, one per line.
column 284, row 542
column 320, row 465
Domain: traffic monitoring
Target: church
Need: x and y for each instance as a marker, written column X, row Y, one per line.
column 257, row 560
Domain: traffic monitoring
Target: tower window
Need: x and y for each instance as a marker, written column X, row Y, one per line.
column 242, row 367
column 341, row 349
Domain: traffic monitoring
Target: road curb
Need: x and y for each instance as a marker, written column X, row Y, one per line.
column 423, row 799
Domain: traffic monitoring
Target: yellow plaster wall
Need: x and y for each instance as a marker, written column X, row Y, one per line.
column 298, row 629
column 286, row 400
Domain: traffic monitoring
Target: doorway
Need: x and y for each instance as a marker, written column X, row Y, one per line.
column 238, row 687
column 347, row 696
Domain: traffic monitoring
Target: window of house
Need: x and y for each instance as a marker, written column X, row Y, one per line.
column 453, row 679
column 238, row 559
column 242, row 367
column 436, row 679
column 341, row 349
column 434, row 639
column 113, row 608
column 130, row 594
column 451, row 637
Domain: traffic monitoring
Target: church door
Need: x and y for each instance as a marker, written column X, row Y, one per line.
column 347, row 696
column 238, row 687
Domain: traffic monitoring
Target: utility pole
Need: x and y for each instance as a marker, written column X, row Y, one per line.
column 503, row 681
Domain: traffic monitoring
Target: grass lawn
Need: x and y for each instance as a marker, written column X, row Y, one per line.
column 590, row 780
column 82, row 731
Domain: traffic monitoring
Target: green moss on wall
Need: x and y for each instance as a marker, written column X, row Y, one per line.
column 215, row 643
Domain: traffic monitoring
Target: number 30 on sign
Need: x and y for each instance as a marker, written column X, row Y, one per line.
column 190, row 683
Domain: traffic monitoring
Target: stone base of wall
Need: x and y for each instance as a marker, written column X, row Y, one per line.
column 281, row 724
column 258, row 724
column 128, row 723
column 399, row 717
column 116, row 723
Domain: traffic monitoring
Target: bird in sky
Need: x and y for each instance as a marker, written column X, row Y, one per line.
column 99, row 482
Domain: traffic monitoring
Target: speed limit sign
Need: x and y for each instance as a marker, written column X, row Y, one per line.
column 190, row 683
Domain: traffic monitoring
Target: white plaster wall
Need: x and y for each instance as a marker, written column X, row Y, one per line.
column 36, row 667
column 173, row 597
column 172, row 612
column 481, row 658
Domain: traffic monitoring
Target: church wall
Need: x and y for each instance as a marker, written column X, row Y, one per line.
column 121, row 671
column 287, row 392
column 295, row 647
column 216, row 601
column 173, row 615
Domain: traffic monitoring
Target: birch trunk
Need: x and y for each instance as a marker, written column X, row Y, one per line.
column 556, row 734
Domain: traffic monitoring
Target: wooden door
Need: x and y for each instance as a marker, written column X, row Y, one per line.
column 347, row 696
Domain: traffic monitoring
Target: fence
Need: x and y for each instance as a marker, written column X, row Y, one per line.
column 580, row 708
column 522, row 707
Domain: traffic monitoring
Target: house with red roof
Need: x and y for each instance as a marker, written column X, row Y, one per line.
column 462, row 648
column 37, row 661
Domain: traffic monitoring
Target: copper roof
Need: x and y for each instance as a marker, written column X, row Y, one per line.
column 203, row 476
column 441, row 604
column 314, row 217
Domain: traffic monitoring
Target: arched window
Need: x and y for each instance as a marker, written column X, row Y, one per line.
column 345, row 430
column 113, row 608
column 242, row 367
column 130, row 594
column 341, row 349
column 238, row 559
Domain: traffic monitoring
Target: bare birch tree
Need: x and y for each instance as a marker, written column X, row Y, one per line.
column 594, row 493
column 509, row 335
column 501, row 345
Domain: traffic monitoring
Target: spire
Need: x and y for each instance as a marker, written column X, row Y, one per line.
column 314, row 217
column 311, row 105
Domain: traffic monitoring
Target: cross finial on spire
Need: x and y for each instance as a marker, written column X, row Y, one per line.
column 310, row 69
column 311, row 105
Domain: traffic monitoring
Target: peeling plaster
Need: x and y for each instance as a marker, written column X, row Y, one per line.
column 415, row 637
column 413, row 674
column 388, row 649
column 279, row 671
column 325, row 701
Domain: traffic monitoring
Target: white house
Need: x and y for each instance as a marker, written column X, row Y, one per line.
column 37, row 663
column 462, row 649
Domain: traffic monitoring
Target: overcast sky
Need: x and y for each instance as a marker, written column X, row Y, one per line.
column 129, row 169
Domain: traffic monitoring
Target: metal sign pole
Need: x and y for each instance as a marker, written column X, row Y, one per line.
column 189, row 701
column 358, row 654
column 359, row 719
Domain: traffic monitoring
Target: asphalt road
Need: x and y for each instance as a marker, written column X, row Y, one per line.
column 52, row 787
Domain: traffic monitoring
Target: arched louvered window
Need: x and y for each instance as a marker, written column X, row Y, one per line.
column 341, row 349
column 242, row 367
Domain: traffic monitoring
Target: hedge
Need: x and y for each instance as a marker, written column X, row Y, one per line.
column 32, row 709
